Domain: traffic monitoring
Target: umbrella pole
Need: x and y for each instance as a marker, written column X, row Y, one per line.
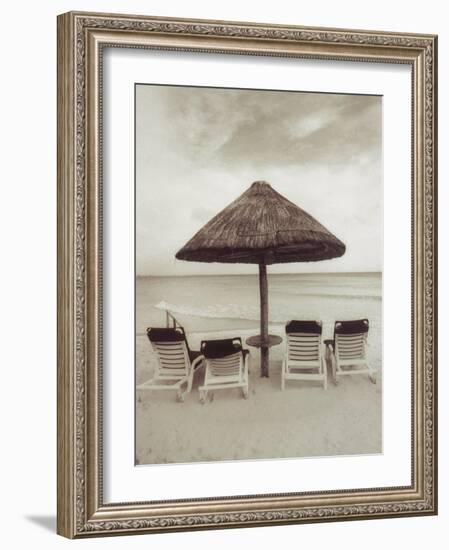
column 264, row 349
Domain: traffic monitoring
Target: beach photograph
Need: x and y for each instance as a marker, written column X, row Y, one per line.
column 258, row 274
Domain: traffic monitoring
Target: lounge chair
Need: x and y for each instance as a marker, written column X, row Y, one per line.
column 304, row 355
column 348, row 350
column 175, row 362
column 226, row 366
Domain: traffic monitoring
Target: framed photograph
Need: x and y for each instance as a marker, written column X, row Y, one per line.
column 246, row 274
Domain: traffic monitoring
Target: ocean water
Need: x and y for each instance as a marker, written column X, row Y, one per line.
column 231, row 302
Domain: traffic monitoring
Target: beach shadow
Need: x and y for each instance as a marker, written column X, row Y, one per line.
column 46, row 522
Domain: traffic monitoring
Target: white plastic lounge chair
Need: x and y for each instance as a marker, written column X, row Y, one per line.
column 348, row 351
column 226, row 366
column 304, row 355
column 175, row 362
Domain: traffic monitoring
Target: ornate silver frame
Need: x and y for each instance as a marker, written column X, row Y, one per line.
column 81, row 38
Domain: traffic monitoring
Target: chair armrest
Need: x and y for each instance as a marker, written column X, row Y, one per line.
column 197, row 361
column 329, row 351
column 329, row 343
column 323, row 349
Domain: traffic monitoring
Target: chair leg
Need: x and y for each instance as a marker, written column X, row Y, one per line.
column 324, row 367
column 245, row 378
column 180, row 395
column 334, row 370
column 203, row 396
column 245, row 387
column 190, row 381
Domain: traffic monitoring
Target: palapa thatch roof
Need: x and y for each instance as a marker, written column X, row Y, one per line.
column 262, row 226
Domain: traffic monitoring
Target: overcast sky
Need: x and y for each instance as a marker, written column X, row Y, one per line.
column 198, row 149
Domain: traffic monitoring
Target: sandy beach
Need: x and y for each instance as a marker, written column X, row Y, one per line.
column 302, row 421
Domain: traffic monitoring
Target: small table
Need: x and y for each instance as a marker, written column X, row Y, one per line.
column 256, row 342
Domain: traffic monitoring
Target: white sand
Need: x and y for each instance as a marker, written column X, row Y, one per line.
column 302, row 421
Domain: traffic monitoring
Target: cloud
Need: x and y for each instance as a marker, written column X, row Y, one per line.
column 197, row 149
column 235, row 127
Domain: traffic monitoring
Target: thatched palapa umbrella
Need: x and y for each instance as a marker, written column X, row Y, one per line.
column 262, row 227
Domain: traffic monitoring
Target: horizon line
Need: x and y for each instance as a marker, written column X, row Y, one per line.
column 271, row 274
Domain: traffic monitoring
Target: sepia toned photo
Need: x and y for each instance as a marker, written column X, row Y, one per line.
column 247, row 274
column 258, row 274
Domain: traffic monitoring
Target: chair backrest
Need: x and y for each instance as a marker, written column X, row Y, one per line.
column 350, row 338
column 223, row 357
column 304, row 340
column 171, row 347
